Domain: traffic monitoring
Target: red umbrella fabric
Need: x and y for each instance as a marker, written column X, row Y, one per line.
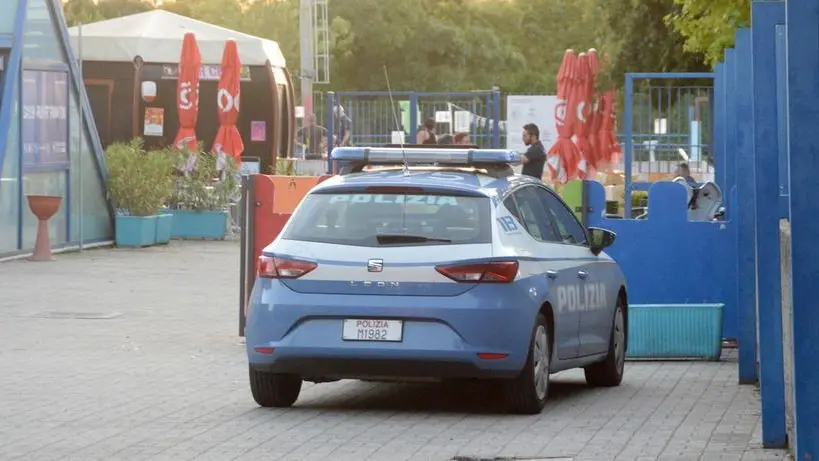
column 228, row 141
column 595, row 120
column 187, row 94
column 562, row 156
column 607, row 141
column 582, row 104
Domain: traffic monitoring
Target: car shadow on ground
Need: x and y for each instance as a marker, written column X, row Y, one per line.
column 458, row 397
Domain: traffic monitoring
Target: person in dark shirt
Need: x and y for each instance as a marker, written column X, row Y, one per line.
column 534, row 159
column 313, row 138
column 342, row 127
column 427, row 134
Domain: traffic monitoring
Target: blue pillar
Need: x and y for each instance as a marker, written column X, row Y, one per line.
column 746, row 210
column 764, row 18
column 803, row 143
column 730, row 132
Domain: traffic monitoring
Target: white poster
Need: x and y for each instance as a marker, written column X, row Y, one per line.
column 523, row 109
column 463, row 121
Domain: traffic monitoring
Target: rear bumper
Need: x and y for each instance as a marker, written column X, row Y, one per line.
column 442, row 336
column 363, row 368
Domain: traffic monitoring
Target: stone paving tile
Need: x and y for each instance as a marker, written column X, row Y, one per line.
column 166, row 379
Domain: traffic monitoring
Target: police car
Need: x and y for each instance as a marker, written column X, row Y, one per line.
column 434, row 263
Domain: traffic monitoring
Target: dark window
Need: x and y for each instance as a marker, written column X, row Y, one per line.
column 534, row 216
column 567, row 224
column 360, row 218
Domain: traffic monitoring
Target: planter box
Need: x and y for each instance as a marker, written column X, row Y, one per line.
column 164, row 222
column 189, row 224
column 659, row 331
column 135, row 231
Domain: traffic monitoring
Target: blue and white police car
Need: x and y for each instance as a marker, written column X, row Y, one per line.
column 435, row 263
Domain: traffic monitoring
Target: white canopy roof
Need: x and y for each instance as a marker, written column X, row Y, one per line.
column 156, row 36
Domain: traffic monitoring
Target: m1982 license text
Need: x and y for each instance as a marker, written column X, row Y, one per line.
column 372, row 330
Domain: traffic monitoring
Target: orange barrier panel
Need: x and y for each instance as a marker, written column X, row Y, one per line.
column 290, row 190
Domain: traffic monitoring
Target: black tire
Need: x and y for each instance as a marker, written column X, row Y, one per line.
column 274, row 390
column 609, row 372
column 522, row 392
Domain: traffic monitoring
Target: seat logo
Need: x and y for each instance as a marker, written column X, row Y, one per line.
column 375, row 265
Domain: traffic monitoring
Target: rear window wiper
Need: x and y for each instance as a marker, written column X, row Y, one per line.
column 402, row 238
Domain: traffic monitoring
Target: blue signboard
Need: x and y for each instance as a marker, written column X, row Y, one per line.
column 44, row 130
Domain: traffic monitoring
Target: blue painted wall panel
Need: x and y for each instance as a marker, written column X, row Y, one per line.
column 666, row 258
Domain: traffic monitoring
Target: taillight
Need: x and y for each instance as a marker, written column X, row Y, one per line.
column 273, row 267
column 488, row 272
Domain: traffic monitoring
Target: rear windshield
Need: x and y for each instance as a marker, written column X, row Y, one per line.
column 391, row 220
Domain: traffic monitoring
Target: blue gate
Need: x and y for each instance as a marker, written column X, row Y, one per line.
column 668, row 259
column 376, row 116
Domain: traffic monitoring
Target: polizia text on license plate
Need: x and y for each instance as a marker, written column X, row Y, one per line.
column 372, row 330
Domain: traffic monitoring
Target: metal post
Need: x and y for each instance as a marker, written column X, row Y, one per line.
column 496, row 117
column 306, row 57
column 628, row 127
column 81, row 131
column 413, row 132
column 331, row 131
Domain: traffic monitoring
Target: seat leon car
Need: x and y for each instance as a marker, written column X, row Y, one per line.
column 434, row 263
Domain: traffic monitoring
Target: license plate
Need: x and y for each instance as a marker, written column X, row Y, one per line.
column 372, row 330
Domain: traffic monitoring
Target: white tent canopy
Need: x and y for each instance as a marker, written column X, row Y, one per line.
column 157, row 35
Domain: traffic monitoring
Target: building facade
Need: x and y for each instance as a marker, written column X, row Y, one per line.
column 48, row 141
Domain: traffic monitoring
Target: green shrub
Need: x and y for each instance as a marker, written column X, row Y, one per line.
column 139, row 182
column 204, row 188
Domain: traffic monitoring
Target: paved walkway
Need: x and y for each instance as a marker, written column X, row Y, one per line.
column 153, row 369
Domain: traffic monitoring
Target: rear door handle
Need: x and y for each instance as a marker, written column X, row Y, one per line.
column 582, row 274
column 551, row 274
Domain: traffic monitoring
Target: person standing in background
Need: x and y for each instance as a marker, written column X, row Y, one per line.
column 312, row 138
column 427, row 134
column 342, row 126
column 534, row 159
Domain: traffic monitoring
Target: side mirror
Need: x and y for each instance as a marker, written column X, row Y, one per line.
column 600, row 239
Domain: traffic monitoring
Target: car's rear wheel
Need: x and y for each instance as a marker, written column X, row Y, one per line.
column 609, row 372
column 274, row 390
column 527, row 393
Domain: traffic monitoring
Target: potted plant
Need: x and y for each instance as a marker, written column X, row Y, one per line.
column 199, row 203
column 164, row 221
column 138, row 184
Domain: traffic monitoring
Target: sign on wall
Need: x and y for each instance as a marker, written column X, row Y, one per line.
column 523, row 109
column 206, row 72
column 44, row 130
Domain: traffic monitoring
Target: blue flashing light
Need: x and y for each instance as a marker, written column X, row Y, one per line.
column 393, row 155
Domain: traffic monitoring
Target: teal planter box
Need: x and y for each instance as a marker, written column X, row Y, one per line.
column 164, row 222
column 135, row 231
column 675, row 331
column 189, row 224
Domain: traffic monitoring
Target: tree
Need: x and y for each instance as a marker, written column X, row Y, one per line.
column 708, row 26
column 636, row 38
column 86, row 11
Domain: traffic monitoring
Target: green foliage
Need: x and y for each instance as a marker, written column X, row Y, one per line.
column 441, row 45
column 138, row 181
column 708, row 26
column 204, row 188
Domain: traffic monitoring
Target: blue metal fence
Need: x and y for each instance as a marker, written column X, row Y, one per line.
column 376, row 115
column 664, row 124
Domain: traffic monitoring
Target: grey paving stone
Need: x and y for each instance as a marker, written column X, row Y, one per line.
column 165, row 379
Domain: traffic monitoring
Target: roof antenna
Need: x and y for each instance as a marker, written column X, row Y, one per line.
column 397, row 125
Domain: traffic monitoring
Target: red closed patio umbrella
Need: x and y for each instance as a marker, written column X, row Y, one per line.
column 187, row 95
column 563, row 155
column 607, row 140
column 581, row 101
column 228, row 141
